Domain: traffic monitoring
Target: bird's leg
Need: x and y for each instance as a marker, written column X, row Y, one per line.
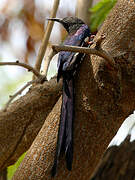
column 89, row 40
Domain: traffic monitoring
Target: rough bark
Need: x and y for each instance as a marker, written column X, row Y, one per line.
column 117, row 163
column 23, row 120
column 3, row 174
column 104, row 98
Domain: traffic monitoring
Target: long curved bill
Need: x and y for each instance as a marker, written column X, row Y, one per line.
column 54, row 19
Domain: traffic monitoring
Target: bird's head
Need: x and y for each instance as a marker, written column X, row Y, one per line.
column 71, row 24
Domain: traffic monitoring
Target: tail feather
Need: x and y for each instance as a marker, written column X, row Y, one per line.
column 69, row 127
column 69, row 156
column 65, row 134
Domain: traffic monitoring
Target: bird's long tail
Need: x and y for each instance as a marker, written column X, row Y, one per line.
column 65, row 133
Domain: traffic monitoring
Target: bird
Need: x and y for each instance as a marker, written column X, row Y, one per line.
column 68, row 62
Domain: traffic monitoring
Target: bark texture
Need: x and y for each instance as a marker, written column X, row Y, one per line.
column 3, row 174
column 23, row 120
column 104, row 98
column 117, row 163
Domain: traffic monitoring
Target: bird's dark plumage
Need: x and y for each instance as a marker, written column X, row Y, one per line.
column 67, row 64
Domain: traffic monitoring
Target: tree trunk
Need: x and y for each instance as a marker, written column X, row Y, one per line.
column 104, row 98
column 3, row 174
column 24, row 118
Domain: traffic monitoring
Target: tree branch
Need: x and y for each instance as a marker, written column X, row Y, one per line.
column 46, row 36
column 17, row 63
column 23, row 119
column 40, row 79
column 99, row 52
column 12, row 97
column 48, row 60
column 3, row 174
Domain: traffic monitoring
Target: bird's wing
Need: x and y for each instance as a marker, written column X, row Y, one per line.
column 65, row 57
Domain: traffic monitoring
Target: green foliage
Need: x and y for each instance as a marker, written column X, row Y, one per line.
column 99, row 12
column 13, row 168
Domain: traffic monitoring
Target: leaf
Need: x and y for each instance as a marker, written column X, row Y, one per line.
column 13, row 168
column 99, row 12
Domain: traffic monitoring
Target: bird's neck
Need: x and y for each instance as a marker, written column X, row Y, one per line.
column 74, row 28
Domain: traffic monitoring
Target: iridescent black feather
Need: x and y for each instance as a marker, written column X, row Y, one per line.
column 67, row 65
